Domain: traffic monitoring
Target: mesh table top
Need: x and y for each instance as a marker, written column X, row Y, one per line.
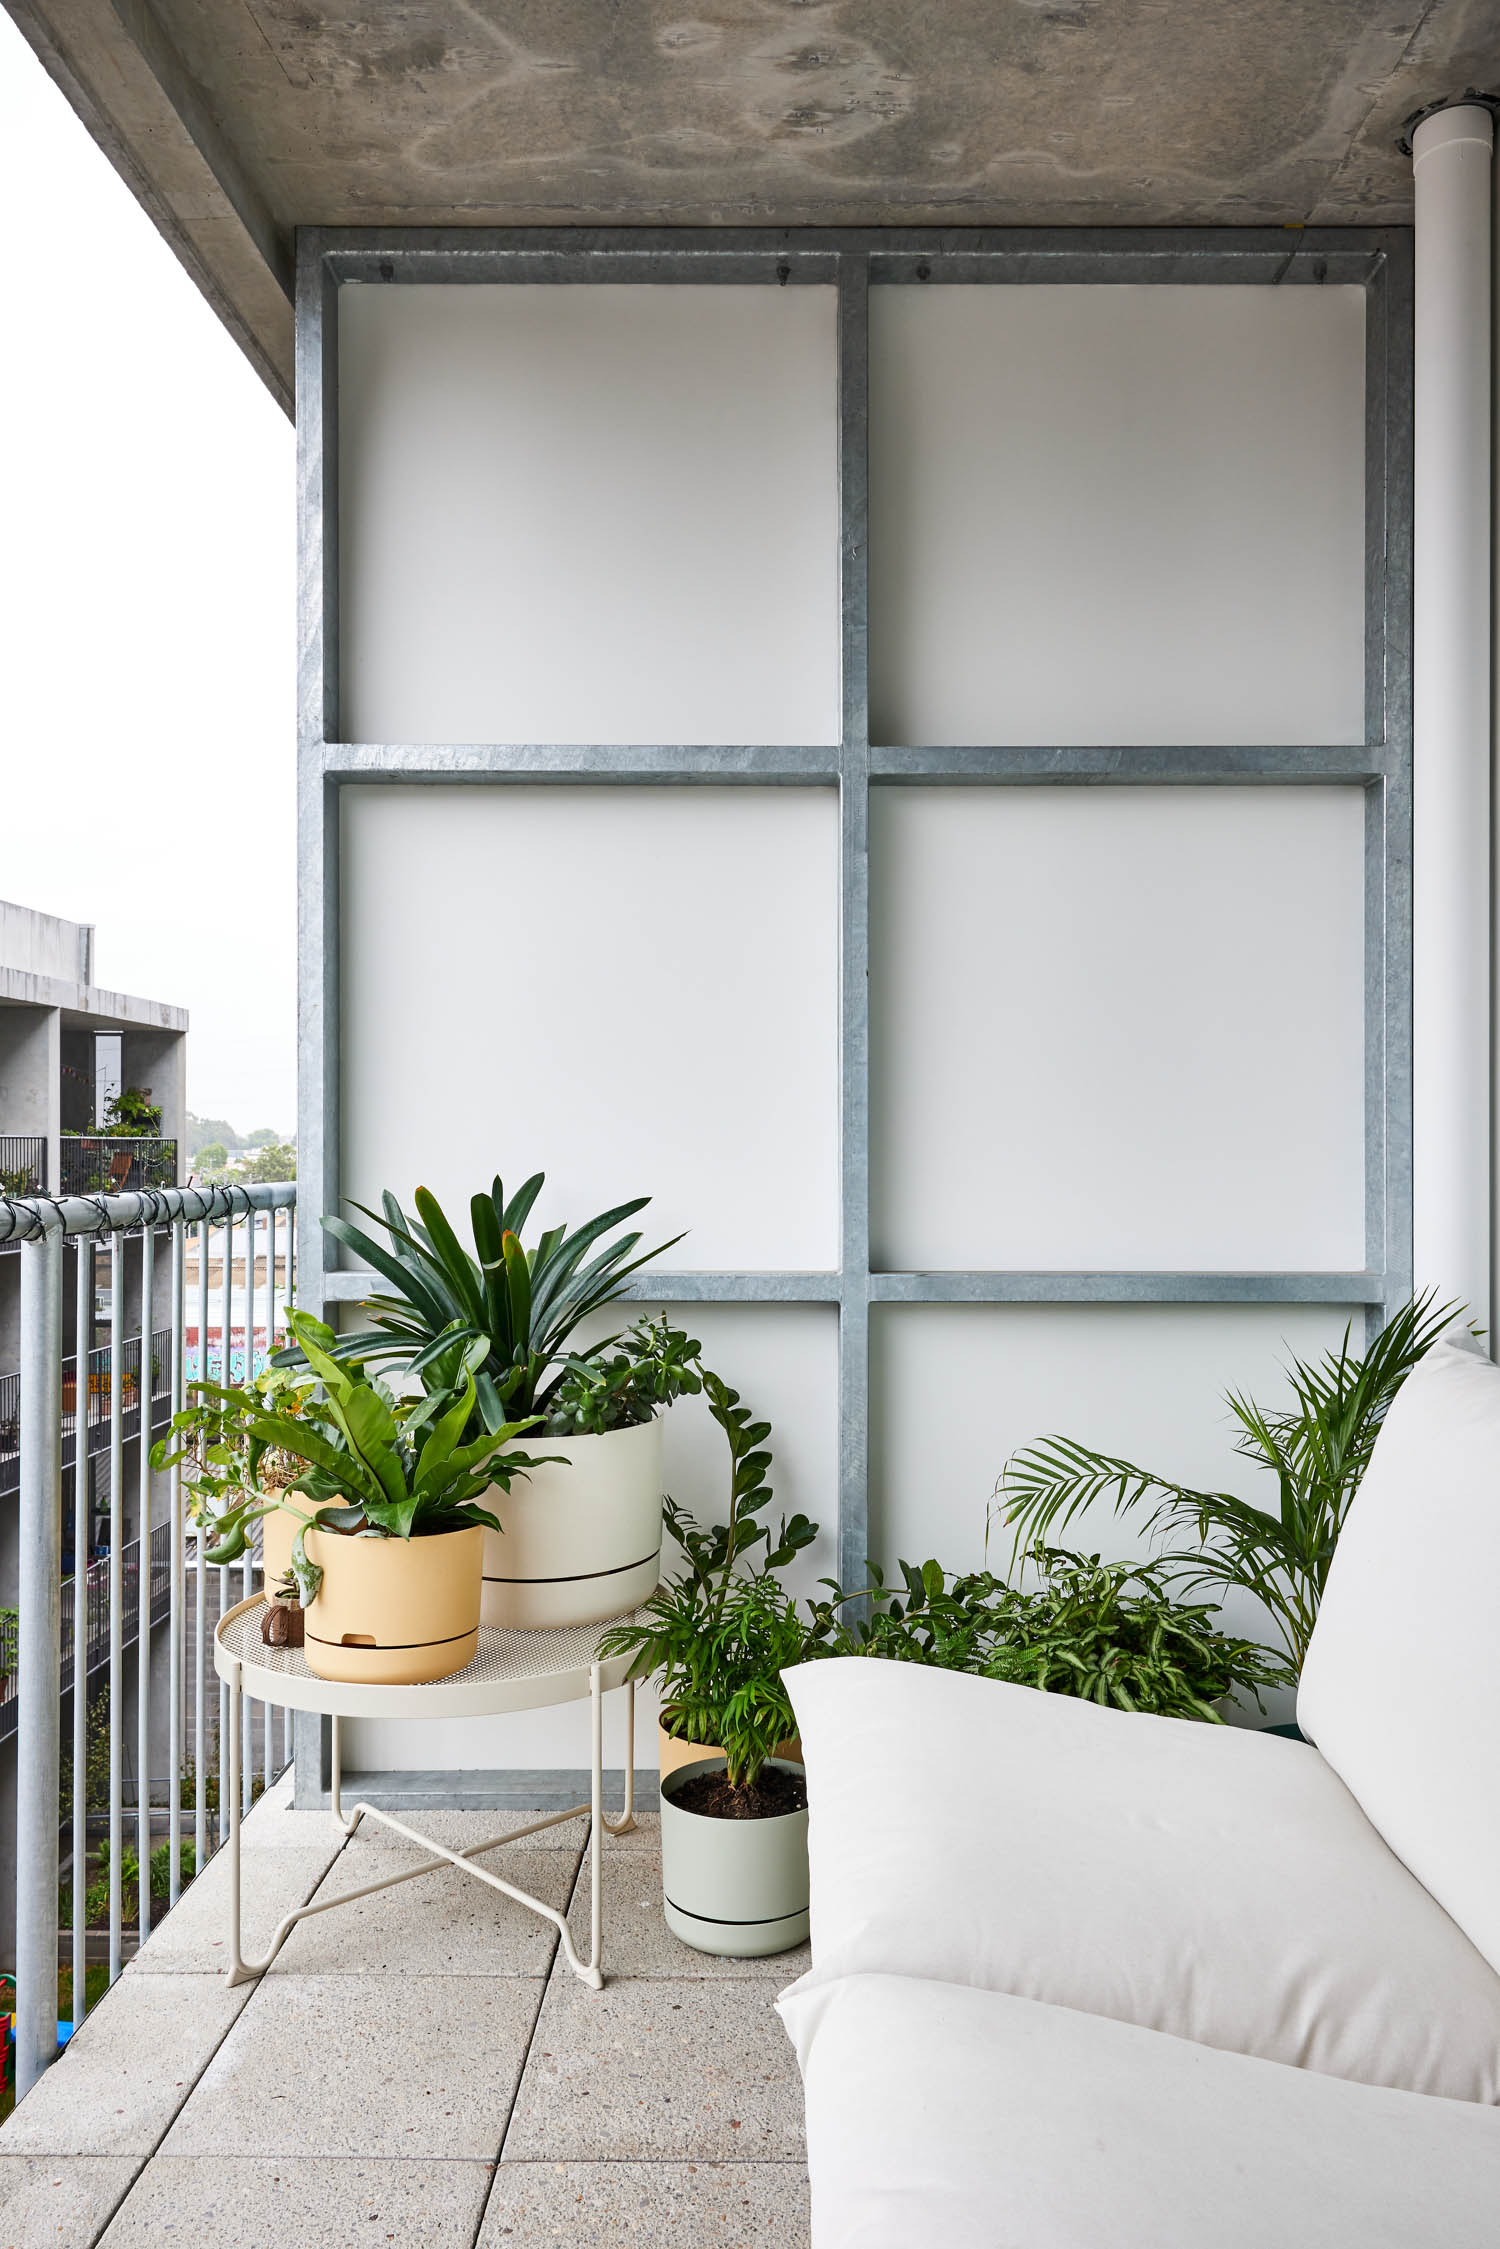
column 511, row 1671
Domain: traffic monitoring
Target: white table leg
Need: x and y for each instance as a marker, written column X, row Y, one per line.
column 626, row 1823
column 238, row 1972
column 336, row 1781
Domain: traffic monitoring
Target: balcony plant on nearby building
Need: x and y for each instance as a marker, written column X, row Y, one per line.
column 581, row 1538
column 734, row 1811
column 387, row 1546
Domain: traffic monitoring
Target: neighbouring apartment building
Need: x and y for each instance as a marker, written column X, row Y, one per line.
column 69, row 1051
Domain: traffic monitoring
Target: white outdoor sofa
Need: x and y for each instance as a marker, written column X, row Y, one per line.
column 1088, row 1980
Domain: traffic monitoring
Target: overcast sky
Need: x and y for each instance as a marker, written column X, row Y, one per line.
column 146, row 613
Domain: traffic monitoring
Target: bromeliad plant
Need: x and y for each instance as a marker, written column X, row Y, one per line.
column 1317, row 1449
column 370, row 1465
column 1105, row 1632
column 522, row 1305
column 721, row 1634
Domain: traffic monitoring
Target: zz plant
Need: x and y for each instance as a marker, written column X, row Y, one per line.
column 721, row 1633
column 369, row 1464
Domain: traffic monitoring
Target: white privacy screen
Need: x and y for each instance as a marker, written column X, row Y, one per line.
column 1116, row 514
column 783, row 1360
column 588, row 513
column 631, row 989
column 955, row 1389
column 1117, row 1028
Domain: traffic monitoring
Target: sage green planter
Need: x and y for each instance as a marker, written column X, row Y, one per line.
column 734, row 1887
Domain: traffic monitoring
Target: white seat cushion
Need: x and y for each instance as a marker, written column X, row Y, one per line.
column 1218, row 1885
column 966, row 2119
column 1401, row 1687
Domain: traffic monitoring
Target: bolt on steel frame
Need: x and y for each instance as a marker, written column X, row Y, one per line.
column 1378, row 261
column 44, row 1227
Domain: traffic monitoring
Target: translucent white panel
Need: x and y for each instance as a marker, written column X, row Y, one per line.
column 633, row 990
column 602, row 513
column 1116, row 514
column 956, row 1389
column 783, row 1360
column 1117, row 1028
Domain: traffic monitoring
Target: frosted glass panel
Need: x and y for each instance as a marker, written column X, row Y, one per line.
column 594, row 513
column 783, row 1360
column 634, row 990
column 1117, row 1028
column 955, row 1389
column 1116, row 514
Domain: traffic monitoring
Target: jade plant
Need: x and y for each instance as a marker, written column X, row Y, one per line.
column 622, row 1387
column 370, row 1464
column 522, row 1305
column 720, row 1635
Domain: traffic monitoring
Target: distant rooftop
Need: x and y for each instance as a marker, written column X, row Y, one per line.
column 48, row 962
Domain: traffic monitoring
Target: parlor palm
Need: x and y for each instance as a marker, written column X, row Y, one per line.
column 1317, row 1448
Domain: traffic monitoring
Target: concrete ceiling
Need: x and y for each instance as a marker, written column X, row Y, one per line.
column 235, row 121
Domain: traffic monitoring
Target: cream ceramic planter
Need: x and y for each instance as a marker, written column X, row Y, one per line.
column 672, row 1753
column 737, row 1888
column 393, row 1612
column 581, row 1542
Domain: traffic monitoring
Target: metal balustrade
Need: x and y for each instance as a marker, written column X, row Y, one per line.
column 95, row 1163
column 23, row 1164
column 44, row 1671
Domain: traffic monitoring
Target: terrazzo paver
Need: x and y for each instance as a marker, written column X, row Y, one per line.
column 125, row 2074
column 64, row 2201
column 299, row 2202
column 371, row 2066
column 696, row 2070
column 648, row 2206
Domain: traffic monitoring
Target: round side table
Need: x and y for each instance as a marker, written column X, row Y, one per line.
column 511, row 1671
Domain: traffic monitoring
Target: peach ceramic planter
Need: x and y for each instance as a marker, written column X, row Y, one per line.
column 394, row 1612
column 582, row 1537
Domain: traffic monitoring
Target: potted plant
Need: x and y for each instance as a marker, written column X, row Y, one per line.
column 387, row 1544
column 1107, row 1632
column 582, row 1537
column 734, row 1812
column 1317, row 1450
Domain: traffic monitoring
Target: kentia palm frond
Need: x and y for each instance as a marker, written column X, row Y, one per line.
column 1317, row 1449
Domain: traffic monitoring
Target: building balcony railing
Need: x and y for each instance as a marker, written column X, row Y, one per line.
column 96, row 1405
column 101, row 1164
column 23, row 1164
column 182, row 1798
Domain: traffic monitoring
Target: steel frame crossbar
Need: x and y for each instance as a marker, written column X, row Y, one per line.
column 1377, row 260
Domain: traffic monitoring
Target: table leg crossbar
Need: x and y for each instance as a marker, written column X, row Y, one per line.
column 590, row 1971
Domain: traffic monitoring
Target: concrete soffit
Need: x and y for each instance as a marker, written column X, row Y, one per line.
column 236, row 121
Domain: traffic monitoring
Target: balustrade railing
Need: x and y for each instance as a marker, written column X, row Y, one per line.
column 45, row 1674
column 23, row 1164
column 94, row 1163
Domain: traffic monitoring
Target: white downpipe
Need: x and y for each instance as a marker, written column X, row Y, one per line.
column 1452, row 155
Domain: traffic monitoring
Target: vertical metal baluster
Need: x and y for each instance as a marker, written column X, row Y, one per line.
column 83, row 1336
column 226, row 1329
column 247, row 1754
column 38, row 1657
column 116, row 1594
column 143, row 1390
column 291, row 1284
column 200, row 1602
column 271, row 1766
column 176, row 1589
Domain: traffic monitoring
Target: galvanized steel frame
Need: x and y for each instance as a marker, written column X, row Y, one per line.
column 1377, row 260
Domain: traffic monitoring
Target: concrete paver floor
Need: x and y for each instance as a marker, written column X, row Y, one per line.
column 421, row 2069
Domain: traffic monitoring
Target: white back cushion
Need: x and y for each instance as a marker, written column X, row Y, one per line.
column 1216, row 1884
column 1401, row 1688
